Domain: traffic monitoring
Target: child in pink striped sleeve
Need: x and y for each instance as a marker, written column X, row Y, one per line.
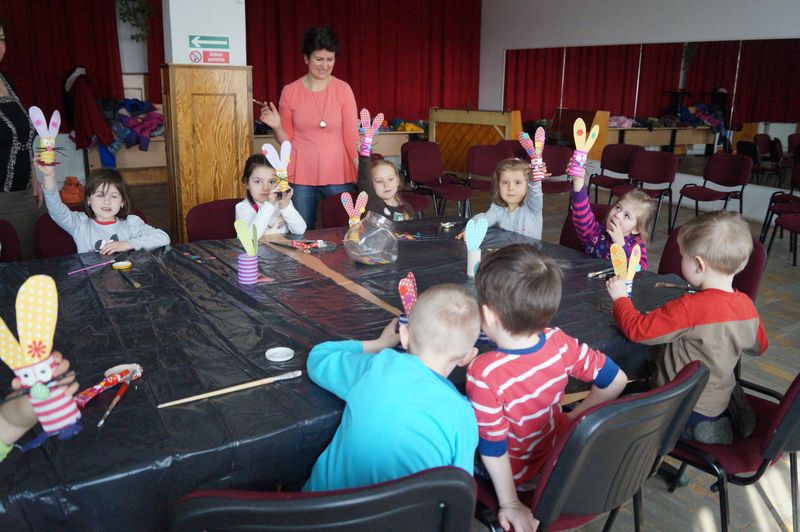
column 515, row 390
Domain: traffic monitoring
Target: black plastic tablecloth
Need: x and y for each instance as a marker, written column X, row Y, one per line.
column 193, row 329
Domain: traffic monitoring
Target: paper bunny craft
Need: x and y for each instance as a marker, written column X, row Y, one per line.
column 32, row 361
column 354, row 211
column 370, row 130
column 279, row 162
column 248, row 236
column 47, row 135
column 407, row 288
column 626, row 268
column 534, row 149
column 582, row 146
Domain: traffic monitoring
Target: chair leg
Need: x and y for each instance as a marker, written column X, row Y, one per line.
column 724, row 506
column 655, row 221
column 765, row 228
column 697, row 208
column 793, row 477
column 610, row 521
column 675, row 216
column 676, row 481
column 638, row 512
column 794, row 250
column 772, row 239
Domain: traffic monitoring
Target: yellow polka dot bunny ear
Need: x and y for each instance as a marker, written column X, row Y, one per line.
column 37, row 313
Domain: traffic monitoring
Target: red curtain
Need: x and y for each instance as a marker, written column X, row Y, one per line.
column 660, row 73
column 45, row 40
column 399, row 57
column 155, row 53
column 601, row 77
column 769, row 74
column 714, row 65
column 533, row 81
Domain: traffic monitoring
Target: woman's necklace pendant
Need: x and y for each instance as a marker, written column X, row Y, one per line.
column 322, row 124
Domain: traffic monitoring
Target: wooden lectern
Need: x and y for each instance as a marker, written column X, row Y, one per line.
column 209, row 127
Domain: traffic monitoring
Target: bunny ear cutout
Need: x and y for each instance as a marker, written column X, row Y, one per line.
column 579, row 133
column 272, row 155
column 527, row 143
column 407, row 287
column 246, row 237
column 10, row 350
column 475, row 232
column 376, row 123
column 37, row 312
column 286, row 153
column 55, row 123
column 365, row 118
column 347, row 201
column 619, row 260
column 633, row 265
column 592, row 138
column 361, row 203
column 538, row 138
column 39, row 121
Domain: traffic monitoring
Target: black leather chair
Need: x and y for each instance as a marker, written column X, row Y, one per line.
column 442, row 498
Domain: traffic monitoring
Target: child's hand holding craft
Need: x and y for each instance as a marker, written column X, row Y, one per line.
column 286, row 199
column 583, row 143
column 370, row 130
column 534, row 148
column 616, row 287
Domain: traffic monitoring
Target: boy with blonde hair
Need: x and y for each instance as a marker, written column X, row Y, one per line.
column 402, row 414
column 515, row 390
column 715, row 325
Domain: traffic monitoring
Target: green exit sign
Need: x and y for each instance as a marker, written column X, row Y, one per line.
column 209, row 42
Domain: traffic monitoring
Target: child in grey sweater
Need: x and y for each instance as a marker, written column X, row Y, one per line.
column 107, row 225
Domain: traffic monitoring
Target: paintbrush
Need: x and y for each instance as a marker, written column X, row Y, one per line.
column 600, row 273
column 122, row 389
column 687, row 287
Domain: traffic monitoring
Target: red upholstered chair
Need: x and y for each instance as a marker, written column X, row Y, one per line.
column 441, row 499
column 762, row 140
column 569, row 237
column 790, row 222
column 52, row 241
column 513, row 148
column 782, row 203
column 417, row 202
column 333, row 213
column 212, row 220
column 652, row 168
column 482, row 159
column 602, row 459
column 749, row 149
column 780, row 161
column 615, row 158
column 423, row 164
column 745, row 460
column 793, row 144
column 747, row 281
column 725, row 170
column 556, row 158
column 9, row 240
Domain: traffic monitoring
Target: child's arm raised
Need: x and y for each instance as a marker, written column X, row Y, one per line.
column 583, row 219
column 68, row 220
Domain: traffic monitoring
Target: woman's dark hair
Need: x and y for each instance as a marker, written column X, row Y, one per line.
column 249, row 165
column 102, row 178
column 319, row 38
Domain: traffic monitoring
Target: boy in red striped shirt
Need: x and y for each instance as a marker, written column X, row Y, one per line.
column 516, row 389
column 715, row 325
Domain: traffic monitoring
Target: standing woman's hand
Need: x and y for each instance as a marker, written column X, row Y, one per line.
column 269, row 115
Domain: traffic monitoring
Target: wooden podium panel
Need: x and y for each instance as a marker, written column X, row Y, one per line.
column 455, row 130
column 209, row 125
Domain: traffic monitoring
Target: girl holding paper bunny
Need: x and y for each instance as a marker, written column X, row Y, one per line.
column 627, row 223
column 268, row 204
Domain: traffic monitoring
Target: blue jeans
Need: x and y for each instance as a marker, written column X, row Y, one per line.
column 306, row 197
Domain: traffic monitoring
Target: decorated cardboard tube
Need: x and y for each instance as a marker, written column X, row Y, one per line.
column 247, row 268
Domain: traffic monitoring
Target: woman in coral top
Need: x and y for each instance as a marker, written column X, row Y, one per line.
column 318, row 114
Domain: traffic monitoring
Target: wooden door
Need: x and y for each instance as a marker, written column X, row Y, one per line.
column 209, row 125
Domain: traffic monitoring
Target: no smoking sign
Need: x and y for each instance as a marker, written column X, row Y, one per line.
column 195, row 56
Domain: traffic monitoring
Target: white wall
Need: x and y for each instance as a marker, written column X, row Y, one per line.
column 521, row 24
column 206, row 17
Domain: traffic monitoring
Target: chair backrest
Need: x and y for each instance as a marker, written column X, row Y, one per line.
column 9, row 240
column 761, row 140
column 654, row 167
column 728, row 170
column 617, row 157
column 333, row 213
column 423, row 162
column 776, row 150
column 747, row 281
column 794, row 142
column 556, row 158
column 570, row 238
column 601, row 460
column 795, row 181
column 514, row 149
column 785, row 427
column 482, row 159
column 748, row 149
column 51, row 240
column 442, row 498
column 212, row 220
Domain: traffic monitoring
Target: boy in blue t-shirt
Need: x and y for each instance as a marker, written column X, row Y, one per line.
column 402, row 414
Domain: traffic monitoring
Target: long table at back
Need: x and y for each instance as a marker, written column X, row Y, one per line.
column 194, row 329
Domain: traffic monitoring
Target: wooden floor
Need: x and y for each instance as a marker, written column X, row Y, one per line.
column 765, row 506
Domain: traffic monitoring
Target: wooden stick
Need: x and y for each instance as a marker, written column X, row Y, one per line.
column 236, row 388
